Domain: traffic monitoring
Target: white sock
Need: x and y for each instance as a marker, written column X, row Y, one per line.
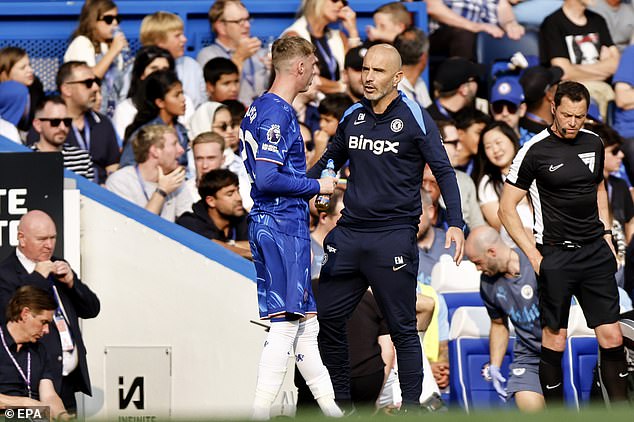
column 273, row 363
column 308, row 361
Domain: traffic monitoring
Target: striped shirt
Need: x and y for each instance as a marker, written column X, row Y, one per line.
column 76, row 160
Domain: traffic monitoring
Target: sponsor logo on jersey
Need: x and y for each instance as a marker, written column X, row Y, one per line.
column 360, row 119
column 378, row 146
column 527, row 292
column 252, row 113
column 270, row 148
column 396, row 125
column 588, row 159
column 274, row 134
column 518, row 372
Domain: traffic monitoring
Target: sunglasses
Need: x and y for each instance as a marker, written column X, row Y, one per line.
column 616, row 150
column 87, row 82
column 55, row 122
column 498, row 107
column 345, row 2
column 450, row 141
column 224, row 126
column 109, row 19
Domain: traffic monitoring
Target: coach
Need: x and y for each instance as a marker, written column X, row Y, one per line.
column 388, row 139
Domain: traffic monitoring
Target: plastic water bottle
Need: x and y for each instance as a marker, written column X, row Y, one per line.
column 117, row 30
column 323, row 201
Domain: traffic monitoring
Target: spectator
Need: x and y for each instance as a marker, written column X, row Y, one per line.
column 147, row 61
column 331, row 110
column 309, row 144
column 156, row 182
column 471, row 213
column 539, row 85
column 219, row 214
column 53, row 123
column 15, row 65
column 390, row 20
column 456, row 23
column 413, row 46
column 305, row 104
column 507, row 102
column 619, row 16
column 352, row 73
column 30, row 312
column 237, row 111
column 90, row 131
column 455, row 88
column 470, row 122
column 98, row 42
column 222, row 79
column 332, row 45
column 165, row 30
column 578, row 40
column 207, row 149
column 32, row 264
column 231, row 24
column 498, row 146
column 14, row 108
column 624, row 97
column 161, row 101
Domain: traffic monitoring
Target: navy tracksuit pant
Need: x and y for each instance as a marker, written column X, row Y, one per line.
column 387, row 261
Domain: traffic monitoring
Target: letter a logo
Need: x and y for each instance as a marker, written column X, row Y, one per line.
column 124, row 402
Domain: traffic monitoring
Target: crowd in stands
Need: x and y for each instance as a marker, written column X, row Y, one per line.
column 163, row 130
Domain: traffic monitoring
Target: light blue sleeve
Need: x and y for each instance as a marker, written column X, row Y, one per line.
column 443, row 319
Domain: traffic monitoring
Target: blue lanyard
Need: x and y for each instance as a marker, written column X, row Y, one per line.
column 326, row 54
column 138, row 176
column 442, row 109
column 247, row 76
column 536, row 118
column 83, row 141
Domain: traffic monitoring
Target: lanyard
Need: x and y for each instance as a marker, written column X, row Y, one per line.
column 249, row 75
column 536, row 118
column 84, row 142
column 325, row 54
column 141, row 184
column 442, row 109
column 27, row 377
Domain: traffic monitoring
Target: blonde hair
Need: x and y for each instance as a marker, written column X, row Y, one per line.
column 288, row 48
column 147, row 137
column 154, row 27
column 209, row 138
column 311, row 8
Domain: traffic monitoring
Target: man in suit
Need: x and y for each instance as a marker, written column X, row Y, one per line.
column 33, row 263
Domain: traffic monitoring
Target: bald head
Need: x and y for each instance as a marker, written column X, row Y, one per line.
column 487, row 251
column 388, row 53
column 380, row 75
column 37, row 235
column 482, row 238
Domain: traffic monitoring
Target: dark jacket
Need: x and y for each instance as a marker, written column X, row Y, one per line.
column 199, row 222
column 79, row 302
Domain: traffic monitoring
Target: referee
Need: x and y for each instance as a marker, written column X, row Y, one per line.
column 562, row 166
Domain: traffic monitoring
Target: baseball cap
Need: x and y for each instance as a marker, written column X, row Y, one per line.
column 507, row 89
column 354, row 58
column 454, row 72
column 537, row 79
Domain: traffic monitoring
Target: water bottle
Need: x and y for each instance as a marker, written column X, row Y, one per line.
column 117, row 30
column 323, row 201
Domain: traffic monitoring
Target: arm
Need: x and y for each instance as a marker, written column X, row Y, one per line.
column 510, row 218
column 507, row 20
column 239, row 248
column 624, row 95
column 443, row 14
column 498, row 340
column 604, row 213
column 599, row 71
column 49, row 397
column 18, row 401
column 271, row 181
column 424, row 311
column 387, row 354
column 490, row 212
column 337, row 150
column 440, row 368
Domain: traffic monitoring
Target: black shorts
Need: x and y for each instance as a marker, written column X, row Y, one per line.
column 587, row 273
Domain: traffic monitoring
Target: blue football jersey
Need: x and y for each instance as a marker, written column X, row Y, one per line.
column 270, row 132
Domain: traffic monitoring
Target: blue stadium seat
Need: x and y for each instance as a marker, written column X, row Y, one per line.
column 468, row 353
column 490, row 49
column 455, row 300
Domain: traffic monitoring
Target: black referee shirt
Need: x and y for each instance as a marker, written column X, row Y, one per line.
column 562, row 176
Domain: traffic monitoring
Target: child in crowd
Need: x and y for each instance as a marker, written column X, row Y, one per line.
column 165, row 30
column 161, row 101
column 469, row 122
column 390, row 20
column 331, row 110
column 97, row 42
column 222, row 79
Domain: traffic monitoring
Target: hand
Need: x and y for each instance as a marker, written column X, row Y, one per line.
column 440, row 370
column 64, row 273
column 247, row 48
column 494, row 30
column 608, row 239
column 119, row 42
column 456, row 235
column 375, row 34
column 171, row 181
column 497, row 379
column 536, row 261
column 514, row 30
column 327, row 185
column 45, row 268
column 349, row 20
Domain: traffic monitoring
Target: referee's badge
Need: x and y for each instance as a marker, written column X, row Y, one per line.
column 396, row 125
column 518, row 372
column 527, row 292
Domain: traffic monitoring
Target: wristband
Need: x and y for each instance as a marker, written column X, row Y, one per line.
column 161, row 192
column 607, row 232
